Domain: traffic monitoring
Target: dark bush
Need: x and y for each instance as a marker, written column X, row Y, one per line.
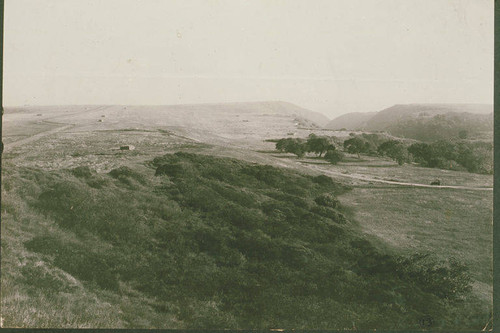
column 266, row 174
column 330, row 213
column 203, row 199
column 323, row 180
column 240, row 196
column 327, row 200
column 449, row 279
column 240, row 217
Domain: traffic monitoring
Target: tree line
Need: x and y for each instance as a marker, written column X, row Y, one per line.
column 313, row 144
column 462, row 155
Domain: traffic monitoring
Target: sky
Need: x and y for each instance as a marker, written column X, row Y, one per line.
column 331, row 56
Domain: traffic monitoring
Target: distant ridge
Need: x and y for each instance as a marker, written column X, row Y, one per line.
column 400, row 112
column 271, row 107
column 263, row 107
column 354, row 120
column 421, row 121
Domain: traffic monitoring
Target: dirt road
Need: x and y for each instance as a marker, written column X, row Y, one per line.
column 375, row 180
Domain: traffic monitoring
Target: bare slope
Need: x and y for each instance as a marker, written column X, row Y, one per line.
column 351, row 121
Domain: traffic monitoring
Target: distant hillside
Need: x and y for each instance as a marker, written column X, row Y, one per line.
column 243, row 124
column 255, row 108
column 268, row 107
column 426, row 122
column 312, row 116
column 352, row 121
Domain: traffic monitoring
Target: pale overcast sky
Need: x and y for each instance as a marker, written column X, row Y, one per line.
column 332, row 56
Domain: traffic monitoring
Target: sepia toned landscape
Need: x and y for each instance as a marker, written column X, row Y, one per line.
column 247, row 165
column 260, row 215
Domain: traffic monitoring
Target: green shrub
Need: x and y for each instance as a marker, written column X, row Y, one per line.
column 248, row 247
column 82, row 172
column 176, row 170
column 327, row 200
column 449, row 279
column 323, row 180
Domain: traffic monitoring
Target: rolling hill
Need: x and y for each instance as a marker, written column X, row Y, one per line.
column 351, row 121
column 195, row 241
column 426, row 122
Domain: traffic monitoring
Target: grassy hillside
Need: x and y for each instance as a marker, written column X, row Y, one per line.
column 444, row 126
column 194, row 241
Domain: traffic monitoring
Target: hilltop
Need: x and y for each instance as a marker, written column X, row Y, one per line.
column 150, row 113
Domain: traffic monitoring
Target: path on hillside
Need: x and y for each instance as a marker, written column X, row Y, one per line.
column 35, row 137
column 370, row 179
column 38, row 136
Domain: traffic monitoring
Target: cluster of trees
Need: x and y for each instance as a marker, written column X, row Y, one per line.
column 396, row 150
column 365, row 143
column 392, row 148
column 443, row 127
column 313, row 144
column 472, row 156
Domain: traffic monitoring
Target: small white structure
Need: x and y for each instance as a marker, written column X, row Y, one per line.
column 127, row 147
